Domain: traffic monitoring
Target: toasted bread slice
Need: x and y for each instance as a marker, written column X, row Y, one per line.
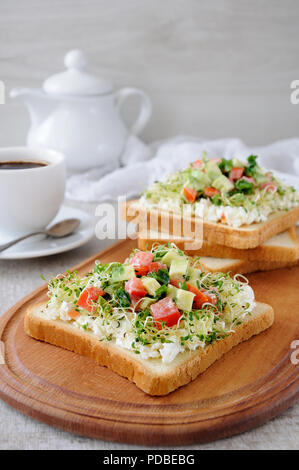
column 234, row 266
column 225, row 265
column 283, row 247
column 247, row 236
column 151, row 375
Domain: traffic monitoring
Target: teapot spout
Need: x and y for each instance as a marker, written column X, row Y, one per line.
column 38, row 103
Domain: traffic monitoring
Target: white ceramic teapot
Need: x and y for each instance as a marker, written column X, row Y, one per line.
column 78, row 114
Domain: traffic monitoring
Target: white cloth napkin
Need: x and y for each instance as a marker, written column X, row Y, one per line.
column 142, row 164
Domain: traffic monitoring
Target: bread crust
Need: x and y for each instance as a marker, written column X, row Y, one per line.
column 243, row 237
column 268, row 253
column 148, row 375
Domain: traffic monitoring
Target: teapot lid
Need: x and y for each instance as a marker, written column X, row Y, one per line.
column 76, row 81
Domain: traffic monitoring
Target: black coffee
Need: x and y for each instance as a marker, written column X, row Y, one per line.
column 20, row 165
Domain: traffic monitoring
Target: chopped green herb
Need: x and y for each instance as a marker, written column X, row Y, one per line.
column 123, row 298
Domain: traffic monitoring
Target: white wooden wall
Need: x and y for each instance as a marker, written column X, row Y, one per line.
column 213, row 68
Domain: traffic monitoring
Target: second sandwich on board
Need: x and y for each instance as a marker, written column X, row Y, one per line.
column 238, row 204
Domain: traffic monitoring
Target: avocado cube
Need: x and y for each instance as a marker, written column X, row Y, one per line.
column 260, row 176
column 194, row 273
column 223, row 184
column 237, row 163
column 213, row 170
column 150, row 284
column 170, row 256
column 146, row 302
column 178, row 267
column 172, row 291
column 184, row 299
column 201, row 179
column 124, row 273
column 193, row 282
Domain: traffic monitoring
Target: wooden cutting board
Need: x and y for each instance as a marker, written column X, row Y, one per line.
column 251, row 384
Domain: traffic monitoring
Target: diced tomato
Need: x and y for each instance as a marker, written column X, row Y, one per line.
column 73, row 314
column 197, row 164
column 223, row 218
column 249, row 179
column 190, row 194
column 176, row 282
column 269, row 186
column 155, row 266
column 210, row 191
column 166, row 311
column 135, row 288
column 88, row 296
column 141, row 262
column 236, row 173
column 200, row 297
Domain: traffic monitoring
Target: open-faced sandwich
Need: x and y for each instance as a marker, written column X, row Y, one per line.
column 241, row 205
column 157, row 319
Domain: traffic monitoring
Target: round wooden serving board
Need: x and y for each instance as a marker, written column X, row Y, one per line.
column 249, row 385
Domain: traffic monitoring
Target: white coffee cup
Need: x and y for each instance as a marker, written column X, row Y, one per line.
column 30, row 198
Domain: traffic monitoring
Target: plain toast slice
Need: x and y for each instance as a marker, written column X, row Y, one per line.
column 235, row 266
column 283, row 247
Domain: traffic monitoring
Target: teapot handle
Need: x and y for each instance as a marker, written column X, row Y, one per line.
column 145, row 108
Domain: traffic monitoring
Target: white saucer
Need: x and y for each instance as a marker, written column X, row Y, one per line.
column 40, row 245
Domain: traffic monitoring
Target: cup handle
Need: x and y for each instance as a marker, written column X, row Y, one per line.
column 145, row 107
